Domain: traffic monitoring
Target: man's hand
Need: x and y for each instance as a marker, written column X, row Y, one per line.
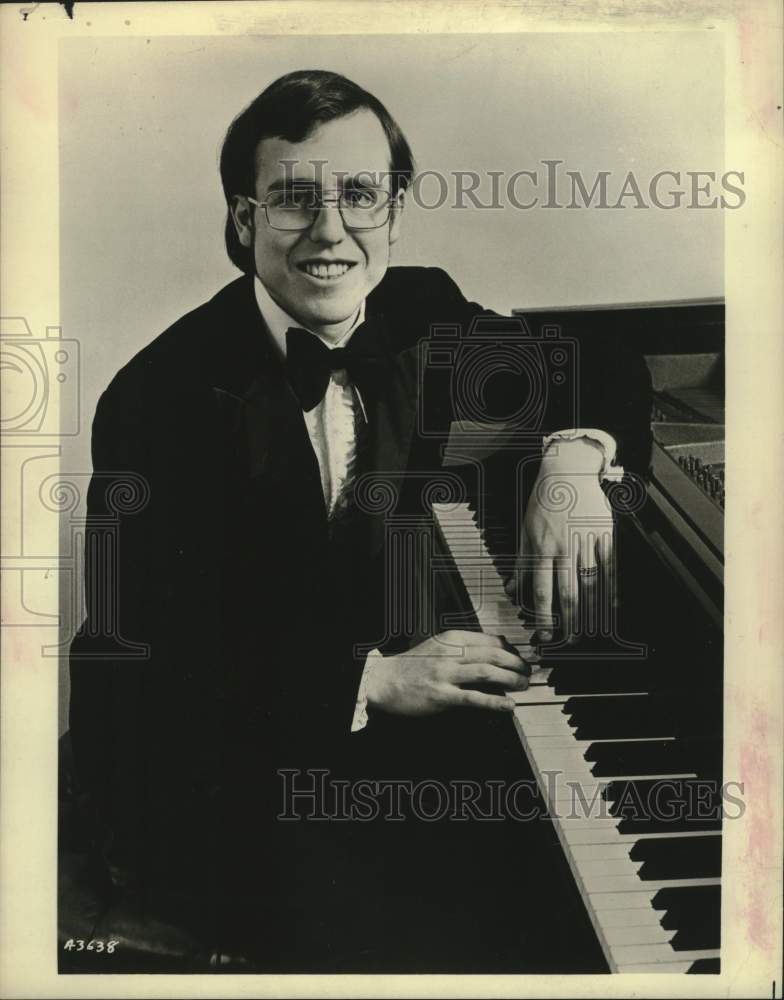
column 433, row 676
column 568, row 526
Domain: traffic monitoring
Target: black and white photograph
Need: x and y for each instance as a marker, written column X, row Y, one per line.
column 391, row 581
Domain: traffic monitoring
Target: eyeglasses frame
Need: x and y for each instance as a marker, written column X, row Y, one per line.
column 322, row 203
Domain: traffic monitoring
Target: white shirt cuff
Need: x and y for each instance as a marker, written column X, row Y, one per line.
column 609, row 470
column 360, row 719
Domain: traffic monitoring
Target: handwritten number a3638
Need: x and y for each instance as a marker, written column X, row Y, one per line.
column 94, row 944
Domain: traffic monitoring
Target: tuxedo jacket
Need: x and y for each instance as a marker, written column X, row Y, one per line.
column 225, row 634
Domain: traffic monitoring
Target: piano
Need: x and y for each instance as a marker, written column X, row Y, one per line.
column 625, row 738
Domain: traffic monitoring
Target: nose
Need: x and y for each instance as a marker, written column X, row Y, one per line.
column 327, row 226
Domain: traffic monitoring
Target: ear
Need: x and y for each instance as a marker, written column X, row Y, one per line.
column 241, row 212
column 395, row 215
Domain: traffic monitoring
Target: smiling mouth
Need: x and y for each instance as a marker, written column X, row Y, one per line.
column 325, row 271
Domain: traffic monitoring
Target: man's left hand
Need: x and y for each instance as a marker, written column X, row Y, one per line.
column 567, row 529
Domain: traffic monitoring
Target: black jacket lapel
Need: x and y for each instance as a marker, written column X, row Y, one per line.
column 260, row 417
column 391, row 405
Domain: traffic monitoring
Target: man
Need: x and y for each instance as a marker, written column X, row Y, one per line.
column 254, row 571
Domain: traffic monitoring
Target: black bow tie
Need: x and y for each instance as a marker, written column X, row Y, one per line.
column 309, row 362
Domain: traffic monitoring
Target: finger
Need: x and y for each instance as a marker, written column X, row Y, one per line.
column 457, row 636
column 498, row 657
column 566, row 572
column 606, row 552
column 478, row 699
column 586, row 553
column 487, row 673
column 527, row 660
column 543, row 597
column 515, row 585
column 588, row 576
column 462, row 637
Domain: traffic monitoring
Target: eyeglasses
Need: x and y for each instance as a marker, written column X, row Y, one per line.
column 293, row 210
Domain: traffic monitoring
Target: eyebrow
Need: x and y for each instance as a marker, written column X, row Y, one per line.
column 357, row 181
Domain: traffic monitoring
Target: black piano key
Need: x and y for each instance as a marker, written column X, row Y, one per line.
column 701, row 757
column 710, row 966
column 637, row 716
column 678, row 857
column 686, row 910
column 617, row 718
column 672, row 900
column 700, row 934
column 642, row 757
column 592, row 678
column 699, row 797
column 651, row 823
column 697, row 913
column 665, row 805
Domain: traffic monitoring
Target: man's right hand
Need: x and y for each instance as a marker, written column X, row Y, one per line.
column 434, row 675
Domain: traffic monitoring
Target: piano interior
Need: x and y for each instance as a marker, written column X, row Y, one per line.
column 633, row 714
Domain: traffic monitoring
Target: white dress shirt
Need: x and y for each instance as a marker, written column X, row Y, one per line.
column 330, row 423
column 331, row 426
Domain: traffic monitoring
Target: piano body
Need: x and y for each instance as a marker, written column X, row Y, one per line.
column 624, row 734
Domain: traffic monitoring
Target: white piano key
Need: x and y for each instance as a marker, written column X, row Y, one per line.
column 614, row 869
column 598, row 885
column 668, row 967
column 606, row 779
column 567, row 795
column 600, row 835
column 619, row 901
column 543, row 744
column 554, row 713
column 579, row 801
column 491, row 623
column 560, row 758
column 595, row 852
column 619, row 937
column 650, row 954
column 543, row 727
column 473, row 569
column 638, row 916
column 487, row 602
column 487, row 605
column 569, row 740
column 547, row 727
column 597, row 823
column 537, row 694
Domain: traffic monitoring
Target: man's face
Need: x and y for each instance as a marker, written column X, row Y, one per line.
column 320, row 275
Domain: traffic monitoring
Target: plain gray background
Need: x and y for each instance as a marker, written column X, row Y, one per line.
column 142, row 213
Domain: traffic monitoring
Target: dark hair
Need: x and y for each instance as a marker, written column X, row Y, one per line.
column 291, row 108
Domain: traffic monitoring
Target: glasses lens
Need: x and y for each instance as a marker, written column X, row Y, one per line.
column 291, row 209
column 364, row 208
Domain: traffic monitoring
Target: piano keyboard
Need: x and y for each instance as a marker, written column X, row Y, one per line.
column 651, row 888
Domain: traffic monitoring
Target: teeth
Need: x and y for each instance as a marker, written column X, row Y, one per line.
column 325, row 270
